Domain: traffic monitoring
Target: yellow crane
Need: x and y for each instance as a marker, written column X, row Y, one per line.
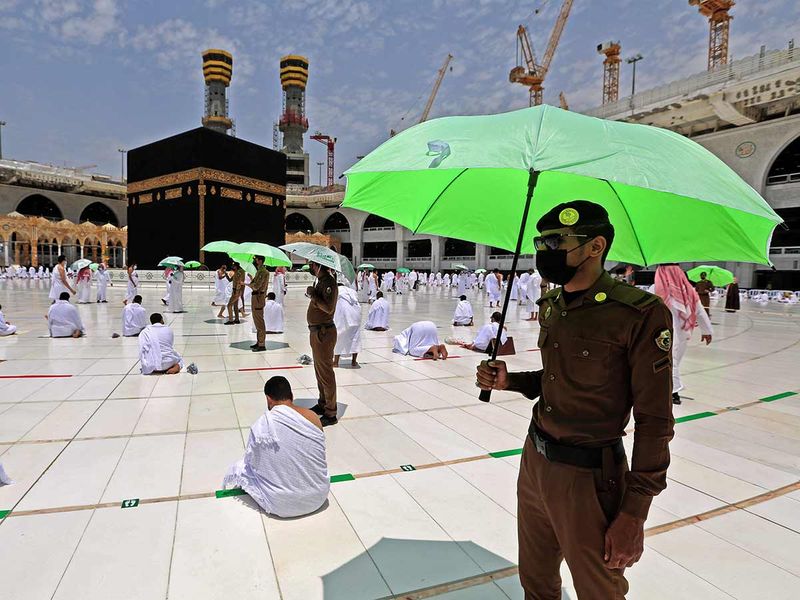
column 719, row 22
column 436, row 85
column 562, row 101
column 532, row 73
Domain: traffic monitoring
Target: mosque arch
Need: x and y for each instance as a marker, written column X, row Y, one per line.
column 99, row 214
column 376, row 222
column 336, row 222
column 298, row 222
column 37, row 205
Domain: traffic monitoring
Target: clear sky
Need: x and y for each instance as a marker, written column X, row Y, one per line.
column 81, row 78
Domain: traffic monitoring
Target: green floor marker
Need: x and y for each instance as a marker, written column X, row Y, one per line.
column 778, row 396
column 408, row 467
column 342, row 477
column 695, row 416
column 130, row 503
column 503, row 453
column 231, row 492
column 4, row 513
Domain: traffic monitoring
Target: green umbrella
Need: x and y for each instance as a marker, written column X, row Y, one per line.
column 171, row 261
column 246, row 261
column 480, row 270
column 305, row 268
column 670, row 199
column 459, row 267
column 403, row 270
column 94, row 266
column 323, row 256
column 220, row 246
column 717, row 275
column 79, row 264
column 192, row 264
column 363, row 266
column 273, row 257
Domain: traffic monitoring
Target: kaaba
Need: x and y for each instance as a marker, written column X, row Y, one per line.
column 202, row 186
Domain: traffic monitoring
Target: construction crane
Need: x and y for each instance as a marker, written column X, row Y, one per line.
column 562, row 101
column 533, row 73
column 429, row 104
column 719, row 28
column 611, row 50
column 329, row 143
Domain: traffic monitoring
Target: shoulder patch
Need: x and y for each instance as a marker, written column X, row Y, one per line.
column 632, row 296
column 664, row 340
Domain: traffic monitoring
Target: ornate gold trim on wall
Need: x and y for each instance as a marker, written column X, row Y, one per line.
column 267, row 200
column 174, row 179
column 173, row 193
column 230, row 193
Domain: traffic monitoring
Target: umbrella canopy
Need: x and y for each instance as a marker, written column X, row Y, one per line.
column 79, row 264
column 670, row 199
column 480, row 270
column 220, row 246
column 305, row 268
column 246, row 261
column 459, row 267
column 273, row 257
column 365, row 266
column 323, row 256
column 94, row 266
column 171, row 261
column 192, row 264
column 717, row 275
column 403, row 270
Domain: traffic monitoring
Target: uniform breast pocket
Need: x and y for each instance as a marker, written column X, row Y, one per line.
column 590, row 359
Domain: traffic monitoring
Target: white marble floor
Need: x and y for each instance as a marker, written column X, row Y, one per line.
column 80, row 444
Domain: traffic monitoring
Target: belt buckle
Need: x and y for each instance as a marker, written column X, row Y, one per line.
column 541, row 446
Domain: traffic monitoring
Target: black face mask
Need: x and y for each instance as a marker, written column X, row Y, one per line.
column 552, row 264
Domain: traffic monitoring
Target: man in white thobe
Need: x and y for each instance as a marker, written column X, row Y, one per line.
column 463, row 280
column 157, row 353
column 413, row 278
column 60, row 282
column 493, row 287
column 378, row 317
column 533, row 291
column 486, row 334
column 103, row 277
column 273, row 314
column 176, row 290
column 420, row 339
column 284, row 468
column 347, row 319
column 6, row 328
column 279, row 285
column 373, row 286
column 63, row 319
column 134, row 318
column 463, row 314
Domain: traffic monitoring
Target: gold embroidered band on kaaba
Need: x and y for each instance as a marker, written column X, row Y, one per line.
column 204, row 174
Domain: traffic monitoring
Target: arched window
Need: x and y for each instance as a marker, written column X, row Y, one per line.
column 458, row 248
column 419, row 249
column 37, row 205
column 336, row 222
column 786, row 167
column 380, row 250
column 376, row 222
column 298, row 222
column 99, row 214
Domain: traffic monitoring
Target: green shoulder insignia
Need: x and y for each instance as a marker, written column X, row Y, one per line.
column 632, row 296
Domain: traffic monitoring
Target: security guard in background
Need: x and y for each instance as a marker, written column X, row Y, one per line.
column 237, row 289
column 259, row 286
column 322, row 336
column 704, row 288
column 605, row 349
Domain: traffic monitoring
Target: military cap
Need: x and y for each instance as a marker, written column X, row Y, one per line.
column 578, row 213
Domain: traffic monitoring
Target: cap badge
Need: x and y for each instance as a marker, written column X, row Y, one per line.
column 600, row 297
column 568, row 217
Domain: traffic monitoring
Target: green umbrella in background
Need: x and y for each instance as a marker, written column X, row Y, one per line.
column 480, row 270
column 403, row 270
column 363, row 266
column 79, row 264
column 94, row 266
column 305, row 268
column 192, row 264
column 220, row 246
column 477, row 178
column 717, row 275
column 273, row 257
column 323, row 256
column 246, row 261
column 459, row 267
column 171, row 261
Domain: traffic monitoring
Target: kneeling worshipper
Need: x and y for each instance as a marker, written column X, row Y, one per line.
column 134, row 318
column 347, row 318
column 156, row 348
column 378, row 317
column 463, row 313
column 6, row 328
column 84, row 285
column 284, row 468
column 420, row 340
column 63, row 319
column 486, row 334
column 273, row 314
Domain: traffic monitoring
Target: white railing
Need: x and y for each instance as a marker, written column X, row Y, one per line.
column 787, row 178
column 335, row 231
column 457, row 258
column 419, row 259
column 379, row 228
column 733, row 71
column 785, row 250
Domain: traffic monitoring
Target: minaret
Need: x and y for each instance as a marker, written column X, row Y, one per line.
column 293, row 122
column 217, row 72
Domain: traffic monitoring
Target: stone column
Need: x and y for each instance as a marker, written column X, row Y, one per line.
column 481, row 255
column 402, row 252
column 437, row 251
column 125, row 256
column 5, row 251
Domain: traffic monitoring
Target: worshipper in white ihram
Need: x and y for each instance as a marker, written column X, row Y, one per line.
column 32, row 272
column 84, row 285
column 463, row 281
column 284, row 468
column 372, row 281
column 40, row 272
column 133, row 283
column 363, row 287
column 176, row 290
column 167, row 276
column 134, row 318
column 279, row 285
column 413, row 278
column 515, row 288
column 63, row 319
column 103, row 278
column 463, row 314
column 533, row 291
column 60, row 283
column 157, row 352
column 438, row 281
column 493, row 287
column 378, row 317
column 481, row 279
column 47, row 272
column 273, row 315
column 446, row 280
column 486, row 334
column 6, row 328
column 687, row 313
column 221, row 281
column 420, row 340
column 247, row 295
column 347, row 318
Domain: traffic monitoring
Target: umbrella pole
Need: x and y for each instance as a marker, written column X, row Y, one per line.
column 486, row 395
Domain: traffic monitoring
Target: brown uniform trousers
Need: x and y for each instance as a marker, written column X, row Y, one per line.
column 322, row 338
column 237, row 283
column 257, row 303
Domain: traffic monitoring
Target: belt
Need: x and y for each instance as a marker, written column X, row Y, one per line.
column 588, row 458
column 258, row 293
column 321, row 326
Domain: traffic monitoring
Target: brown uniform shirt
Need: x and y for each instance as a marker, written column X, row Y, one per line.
column 604, row 354
column 323, row 301
column 237, row 281
column 259, row 285
column 704, row 287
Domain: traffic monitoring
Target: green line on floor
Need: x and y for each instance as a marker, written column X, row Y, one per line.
column 342, row 477
column 778, row 396
column 503, row 453
column 4, row 513
column 695, row 416
column 231, row 492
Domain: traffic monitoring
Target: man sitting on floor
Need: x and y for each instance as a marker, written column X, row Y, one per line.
column 6, row 328
column 284, row 468
column 486, row 334
column 134, row 318
column 273, row 314
column 378, row 317
column 463, row 314
column 63, row 319
column 420, row 340
column 156, row 351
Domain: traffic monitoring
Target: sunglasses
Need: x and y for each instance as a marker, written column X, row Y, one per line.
column 553, row 241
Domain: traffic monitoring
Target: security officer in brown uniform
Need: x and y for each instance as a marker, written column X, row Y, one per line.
column 322, row 336
column 259, row 286
column 605, row 349
column 704, row 288
column 237, row 289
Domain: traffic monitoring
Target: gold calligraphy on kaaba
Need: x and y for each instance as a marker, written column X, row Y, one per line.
column 203, row 173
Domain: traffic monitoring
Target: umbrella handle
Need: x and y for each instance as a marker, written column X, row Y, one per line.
column 533, row 177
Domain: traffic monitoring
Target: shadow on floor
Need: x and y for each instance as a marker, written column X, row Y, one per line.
column 245, row 345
